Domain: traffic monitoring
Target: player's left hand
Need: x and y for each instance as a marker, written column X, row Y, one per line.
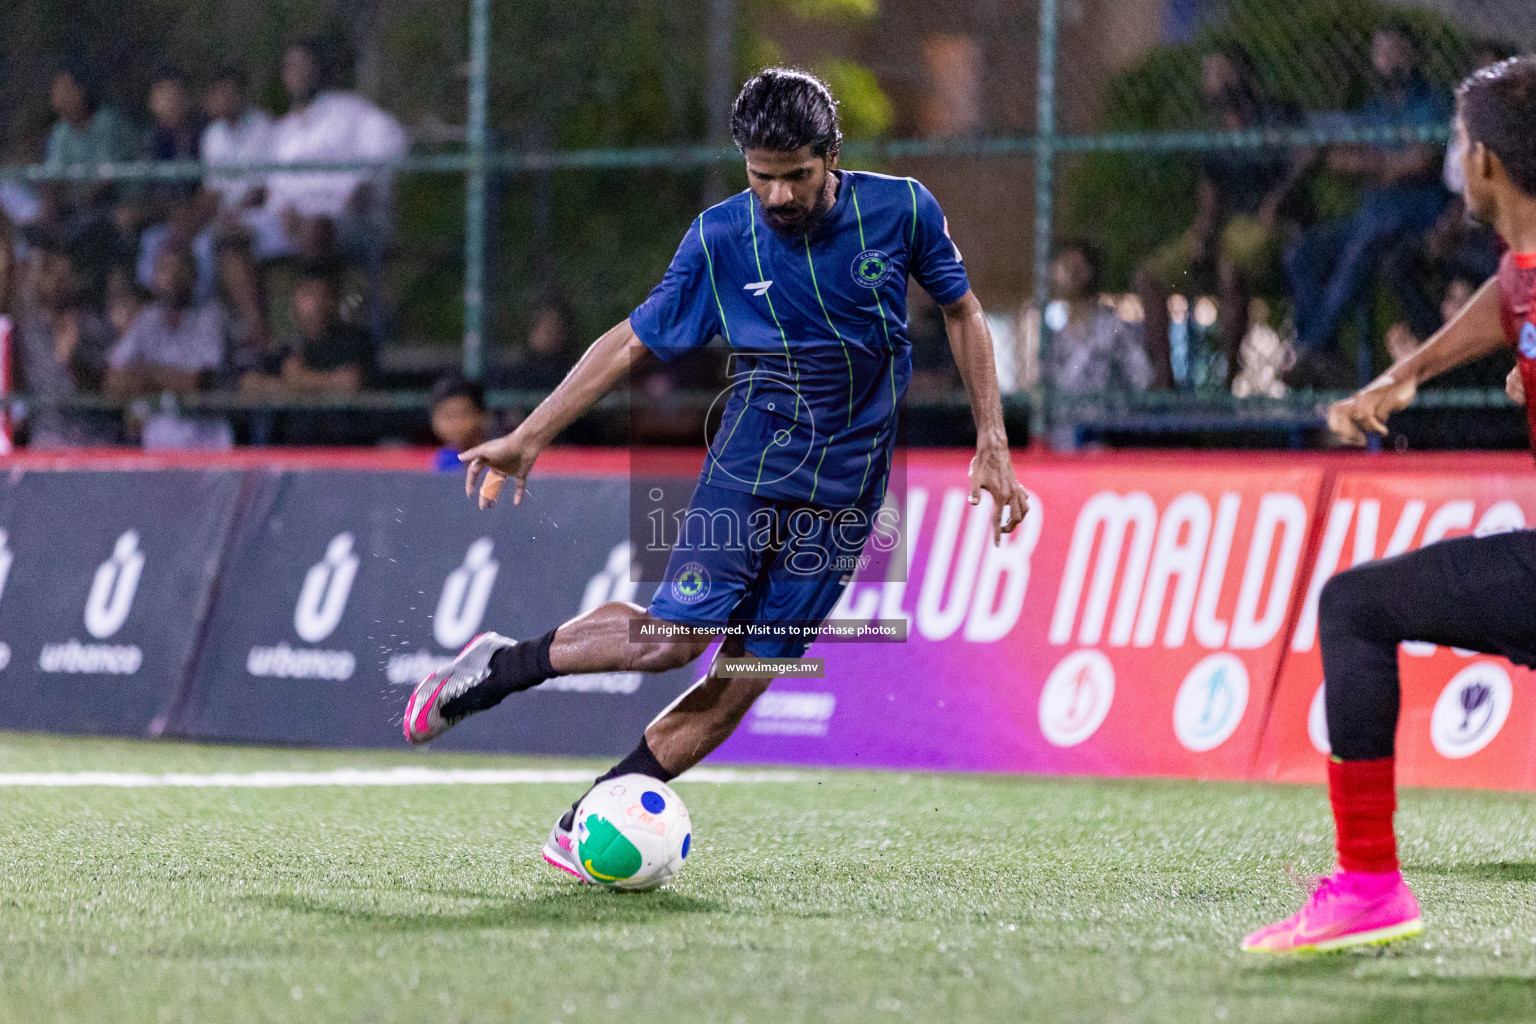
column 506, row 457
column 992, row 471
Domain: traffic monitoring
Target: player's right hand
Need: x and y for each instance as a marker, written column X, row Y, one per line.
column 1369, row 408
column 510, row 456
column 1514, row 386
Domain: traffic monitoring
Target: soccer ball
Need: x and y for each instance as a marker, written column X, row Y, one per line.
column 632, row 833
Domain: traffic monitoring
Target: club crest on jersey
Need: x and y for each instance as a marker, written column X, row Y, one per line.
column 692, row 583
column 1527, row 344
column 872, row 268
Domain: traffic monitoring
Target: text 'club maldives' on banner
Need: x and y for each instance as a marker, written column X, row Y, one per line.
column 1133, row 624
column 1466, row 718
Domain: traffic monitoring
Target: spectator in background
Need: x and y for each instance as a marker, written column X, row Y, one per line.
column 320, row 215
column 238, row 133
column 1093, row 351
column 460, row 420
column 934, row 372
column 60, row 352
column 325, row 357
column 1240, row 197
column 1401, row 197
column 551, row 349
column 84, row 213
column 171, row 209
column 173, row 347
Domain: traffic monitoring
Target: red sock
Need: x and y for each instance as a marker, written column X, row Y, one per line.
column 1363, row 797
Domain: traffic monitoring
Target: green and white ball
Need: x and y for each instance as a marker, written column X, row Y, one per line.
column 632, row 833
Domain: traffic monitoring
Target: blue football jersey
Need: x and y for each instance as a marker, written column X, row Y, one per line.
column 817, row 325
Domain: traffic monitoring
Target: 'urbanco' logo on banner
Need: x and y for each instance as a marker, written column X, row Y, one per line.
column 322, row 603
column 466, row 592
column 327, row 585
column 113, row 589
column 5, row 571
column 1076, row 698
column 1471, row 710
column 106, row 609
column 1211, row 702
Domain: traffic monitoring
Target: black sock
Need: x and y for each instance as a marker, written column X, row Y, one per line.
column 520, row 667
column 640, row 761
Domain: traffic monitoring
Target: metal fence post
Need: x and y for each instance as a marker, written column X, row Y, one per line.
column 1045, row 158
column 474, row 191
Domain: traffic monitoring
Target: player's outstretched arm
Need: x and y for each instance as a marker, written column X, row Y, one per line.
column 1470, row 334
column 992, row 468
column 594, row 375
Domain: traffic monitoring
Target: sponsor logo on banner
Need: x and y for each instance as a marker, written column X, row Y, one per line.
column 1211, row 702
column 322, row 603
column 107, row 607
column 1317, row 721
column 1471, row 710
column 792, row 713
column 1177, row 561
column 612, row 583
column 1076, row 698
column 460, row 611
column 466, row 591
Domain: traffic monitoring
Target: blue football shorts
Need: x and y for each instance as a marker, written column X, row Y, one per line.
column 740, row 558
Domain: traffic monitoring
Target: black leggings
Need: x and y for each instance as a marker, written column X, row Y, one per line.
column 1478, row 593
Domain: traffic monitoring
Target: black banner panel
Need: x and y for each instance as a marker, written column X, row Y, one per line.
column 344, row 589
column 105, row 583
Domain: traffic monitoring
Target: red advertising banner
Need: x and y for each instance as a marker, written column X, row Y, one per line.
column 1132, row 626
column 1466, row 718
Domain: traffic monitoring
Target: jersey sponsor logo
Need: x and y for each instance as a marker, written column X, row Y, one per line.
column 1076, row 698
column 1528, row 340
column 692, row 583
column 1211, row 702
column 1471, row 710
column 872, row 268
column 758, row 288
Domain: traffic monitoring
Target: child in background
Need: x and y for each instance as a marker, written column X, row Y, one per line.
column 459, row 420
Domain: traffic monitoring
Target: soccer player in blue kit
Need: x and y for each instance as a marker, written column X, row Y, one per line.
column 805, row 277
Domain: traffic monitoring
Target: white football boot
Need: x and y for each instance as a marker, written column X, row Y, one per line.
column 424, row 718
column 561, row 851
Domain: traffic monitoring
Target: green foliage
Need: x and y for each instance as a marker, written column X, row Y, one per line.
column 864, row 108
column 1313, row 54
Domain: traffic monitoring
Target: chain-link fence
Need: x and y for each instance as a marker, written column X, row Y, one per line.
column 1205, row 157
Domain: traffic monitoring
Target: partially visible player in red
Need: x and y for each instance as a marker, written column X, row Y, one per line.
column 1477, row 593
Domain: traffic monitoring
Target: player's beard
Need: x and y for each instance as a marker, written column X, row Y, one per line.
column 793, row 221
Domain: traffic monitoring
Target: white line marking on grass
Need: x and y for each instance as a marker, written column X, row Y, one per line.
column 358, row 777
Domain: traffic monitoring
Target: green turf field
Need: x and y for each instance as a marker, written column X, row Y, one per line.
column 847, row 897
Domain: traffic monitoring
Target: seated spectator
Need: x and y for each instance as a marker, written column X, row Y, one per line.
column 460, row 420
column 173, row 347
column 325, row 357
column 552, row 350
column 170, row 209
column 1093, row 351
column 318, row 215
column 84, row 213
column 60, row 351
column 238, row 134
column 1401, row 198
column 1241, row 196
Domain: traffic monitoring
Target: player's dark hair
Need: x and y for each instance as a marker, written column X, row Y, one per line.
column 1498, row 106
column 1091, row 254
column 455, row 386
column 782, row 109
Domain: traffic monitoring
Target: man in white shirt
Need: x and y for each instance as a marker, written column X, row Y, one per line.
column 306, row 211
column 238, row 134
